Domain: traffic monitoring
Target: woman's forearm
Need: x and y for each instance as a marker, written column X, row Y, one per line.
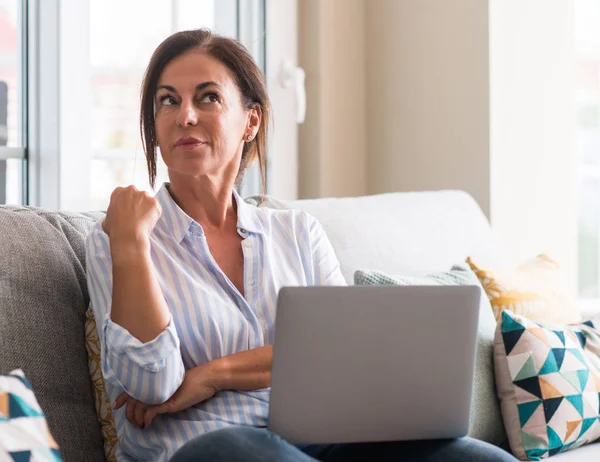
column 138, row 303
column 247, row 370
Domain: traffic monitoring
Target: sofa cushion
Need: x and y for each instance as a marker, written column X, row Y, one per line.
column 590, row 453
column 43, row 299
column 402, row 233
column 485, row 417
column 548, row 380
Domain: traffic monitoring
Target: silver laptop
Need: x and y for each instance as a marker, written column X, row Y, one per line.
column 373, row 363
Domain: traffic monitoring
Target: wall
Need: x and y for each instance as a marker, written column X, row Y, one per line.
column 462, row 94
column 331, row 50
column 428, row 104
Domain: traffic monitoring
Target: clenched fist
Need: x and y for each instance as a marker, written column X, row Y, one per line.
column 131, row 216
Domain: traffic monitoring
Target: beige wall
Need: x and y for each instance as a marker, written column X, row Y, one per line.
column 466, row 94
column 427, row 99
column 331, row 49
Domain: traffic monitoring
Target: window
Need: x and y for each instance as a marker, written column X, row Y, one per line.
column 587, row 16
column 120, row 48
column 12, row 121
column 70, row 75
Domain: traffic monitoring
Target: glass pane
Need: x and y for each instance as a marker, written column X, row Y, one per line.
column 120, row 48
column 10, row 73
column 108, row 173
column 589, row 234
column 11, row 181
column 587, row 18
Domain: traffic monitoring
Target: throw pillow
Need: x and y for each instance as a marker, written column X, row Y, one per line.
column 485, row 417
column 548, row 380
column 103, row 407
column 24, row 433
column 536, row 289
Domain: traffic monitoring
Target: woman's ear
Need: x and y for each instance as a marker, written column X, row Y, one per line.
column 254, row 119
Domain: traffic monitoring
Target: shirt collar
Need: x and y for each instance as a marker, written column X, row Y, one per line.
column 176, row 222
column 247, row 216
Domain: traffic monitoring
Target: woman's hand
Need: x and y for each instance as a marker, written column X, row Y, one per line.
column 196, row 387
column 131, row 214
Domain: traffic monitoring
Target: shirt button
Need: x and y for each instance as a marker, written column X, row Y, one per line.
column 243, row 231
column 250, row 283
column 248, row 245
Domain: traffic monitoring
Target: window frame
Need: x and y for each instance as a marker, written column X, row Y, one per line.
column 20, row 152
column 56, row 131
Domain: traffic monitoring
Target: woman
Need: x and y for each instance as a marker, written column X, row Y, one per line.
column 184, row 284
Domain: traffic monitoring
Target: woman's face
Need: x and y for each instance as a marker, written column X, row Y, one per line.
column 201, row 123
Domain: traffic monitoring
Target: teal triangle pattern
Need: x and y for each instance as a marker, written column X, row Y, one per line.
column 586, row 424
column 559, row 356
column 577, row 402
column 584, row 375
column 510, row 339
column 554, row 440
column 509, row 324
column 531, row 442
column 526, row 410
column 573, row 379
column 582, row 338
column 19, row 408
column 549, row 366
column 530, row 385
column 528, row 370
column 550, row 407
column 536, row 454
column 560, row 335
column 21, row 456
column 567, row 446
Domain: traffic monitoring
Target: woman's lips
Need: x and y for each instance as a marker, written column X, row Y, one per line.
column 190, row 146
column 188, row 143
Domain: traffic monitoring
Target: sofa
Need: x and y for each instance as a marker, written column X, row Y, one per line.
column 43, row 293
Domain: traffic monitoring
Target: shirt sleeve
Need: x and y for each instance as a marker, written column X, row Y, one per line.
column 150, row 372
column 326, row 266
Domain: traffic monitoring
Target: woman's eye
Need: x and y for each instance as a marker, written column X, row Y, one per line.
column 210, row 98
column 167, row 100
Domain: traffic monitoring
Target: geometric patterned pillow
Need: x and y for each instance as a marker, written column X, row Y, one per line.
column 24, row 433
column 103, row 408
column 548, row 382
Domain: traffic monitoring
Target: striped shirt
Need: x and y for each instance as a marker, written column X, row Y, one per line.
column 210, row 318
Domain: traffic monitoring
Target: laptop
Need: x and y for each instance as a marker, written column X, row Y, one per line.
column 373, row 363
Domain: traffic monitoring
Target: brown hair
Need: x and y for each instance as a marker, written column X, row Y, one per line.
column 248, row 77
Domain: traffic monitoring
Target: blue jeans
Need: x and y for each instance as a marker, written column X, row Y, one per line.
column 249, row 444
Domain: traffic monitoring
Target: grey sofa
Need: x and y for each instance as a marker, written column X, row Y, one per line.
column 43, row 293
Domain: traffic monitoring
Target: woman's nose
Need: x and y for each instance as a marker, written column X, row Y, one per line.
column 187, row 115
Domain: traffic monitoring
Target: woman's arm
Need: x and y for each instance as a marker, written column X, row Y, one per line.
column 144, row 362
column 247, row 370
column 138, row 304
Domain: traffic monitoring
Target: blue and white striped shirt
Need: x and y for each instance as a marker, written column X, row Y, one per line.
column 210, row 318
